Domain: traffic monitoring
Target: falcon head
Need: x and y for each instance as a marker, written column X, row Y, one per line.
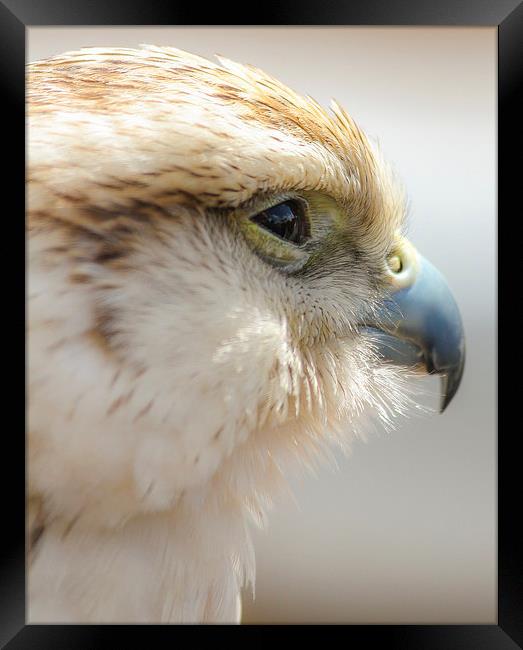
column 219, row 282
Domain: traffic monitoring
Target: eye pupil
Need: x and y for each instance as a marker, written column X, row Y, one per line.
column 285, row 220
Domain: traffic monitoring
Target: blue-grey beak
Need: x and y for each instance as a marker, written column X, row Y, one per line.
column 420, row 325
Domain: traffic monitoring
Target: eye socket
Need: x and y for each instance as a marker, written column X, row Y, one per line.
column 286, row 220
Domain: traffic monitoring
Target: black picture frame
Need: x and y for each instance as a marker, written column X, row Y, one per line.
column 507, row 15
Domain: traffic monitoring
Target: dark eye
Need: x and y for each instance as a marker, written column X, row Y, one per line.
column 286, row 220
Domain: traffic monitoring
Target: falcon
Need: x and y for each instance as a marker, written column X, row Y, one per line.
column 219, row 289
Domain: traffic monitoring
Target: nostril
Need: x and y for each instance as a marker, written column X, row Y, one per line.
column 402, row 265
column 395, row 264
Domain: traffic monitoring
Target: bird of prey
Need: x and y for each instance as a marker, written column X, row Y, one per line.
column 219, row 287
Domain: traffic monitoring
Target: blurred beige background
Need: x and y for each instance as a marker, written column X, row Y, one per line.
column 405, row 530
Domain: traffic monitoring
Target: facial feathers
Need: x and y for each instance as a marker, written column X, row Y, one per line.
column 180, row 359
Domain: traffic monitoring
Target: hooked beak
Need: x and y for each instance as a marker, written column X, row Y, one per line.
column 420, row 325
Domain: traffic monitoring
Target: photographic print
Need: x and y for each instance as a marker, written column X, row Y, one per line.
column 263, row 276
column 242, row 268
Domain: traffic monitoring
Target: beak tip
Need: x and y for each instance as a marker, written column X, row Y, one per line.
column 444, row 402
column 450, row 382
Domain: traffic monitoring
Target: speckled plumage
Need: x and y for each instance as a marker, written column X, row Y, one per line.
column 175, row 375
